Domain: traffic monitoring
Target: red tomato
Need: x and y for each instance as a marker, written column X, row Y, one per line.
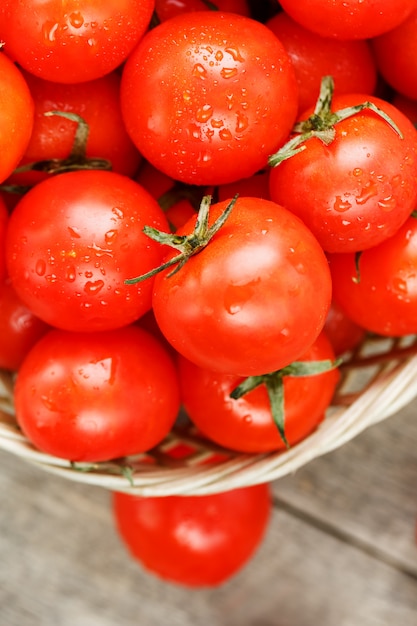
column 165, row 9
column 195, row 541
column 357, row 191
column 342, row 332
column 349, row 19
column 71, row 242
column 4, row 217
column 349, row 62
column 256, row 186
column 19, row 328
column 97, row 102
column 384, row 300
column 227, row 96
column 396, row 56
column 407, row 106
column 73, row 41
column 253, row 299
column 246, row 424
column 16, row 116
column 96, row 396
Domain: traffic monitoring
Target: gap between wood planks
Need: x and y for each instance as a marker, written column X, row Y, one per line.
column 345, row 537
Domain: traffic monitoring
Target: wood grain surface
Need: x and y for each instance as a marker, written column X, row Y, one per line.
column 340, row 549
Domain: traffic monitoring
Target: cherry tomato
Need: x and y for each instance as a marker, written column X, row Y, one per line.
column 396, row 56
column 253, row 299
column 357, row 191
column 96, row 396
column 73, row 41
column 349, row 19
column 165, row 9
column 380, row 296
column 227, row 96
column 19, row 328
column 71, row 242
column 16, row 116
column 194, row 541
column 97, row 103
column 246, row 424
column 351, row 63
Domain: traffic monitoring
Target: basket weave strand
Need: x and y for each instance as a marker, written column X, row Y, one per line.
column 378, row 380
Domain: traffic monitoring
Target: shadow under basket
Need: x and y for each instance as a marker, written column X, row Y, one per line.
column 377, row 380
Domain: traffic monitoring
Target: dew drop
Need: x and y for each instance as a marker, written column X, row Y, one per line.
column 340, row 205
column 387, row 204
column 204, row 113
column 93, row 287
column 76, row 19
column 235, row 54
column 357, row 171
column 70, row 274
column 118, row 212
column 49, row 30
column 199, row 71
column 242, row 123
column 110, row 236
column 367, row 192
column 40, row 267
column 225, row 134
column 228, row 72
column 74, row 232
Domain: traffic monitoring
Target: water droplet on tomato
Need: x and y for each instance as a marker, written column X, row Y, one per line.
column 74, row 232
column 40, row 267
column 387, row 204
column 235, row 54
column 204, row 113
column 76, row 19
column 199, row 71
column 93, row 287
column 118, row 212
column 242, row 122
column 228, row 72
column 49, row 31
column 225, row 134
column 70, row 274
column 110, row 236
column 341, row 205
column 369, row 191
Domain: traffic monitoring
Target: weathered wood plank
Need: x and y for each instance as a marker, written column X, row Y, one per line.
column 62, row 564
column 366, row 492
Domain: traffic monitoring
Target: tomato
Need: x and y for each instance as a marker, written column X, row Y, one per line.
column 16, row 116
column 253, row 299
column 382, row 298
column 256, row 186
column 349, row 19
column 4, row 217
column 165, row 9
column 351, row 63
column 357, row 191
column 246, row 424
column 227, row 97
column 194, row 541
column 395, row 55
column 407, row 106
column 72, row 41
column 71, row 242
column 96, row 396
column 97, row 103
column 19, row 328
column 343, row 333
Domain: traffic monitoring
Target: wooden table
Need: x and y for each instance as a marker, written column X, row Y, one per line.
column 340, row 550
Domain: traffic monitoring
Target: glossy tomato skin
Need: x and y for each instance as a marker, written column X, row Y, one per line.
column 246, row 424
column 253, row 299
column 97, row 103
column 349, row 19
column 16, row 116
column 384, row 300
column 71, row 242
column 74, row 41
column 194, row 541
column 357, row 191
column 227, row 96
column 350, row 63
column 396, row 56
column 19, row 328
column 96, row 396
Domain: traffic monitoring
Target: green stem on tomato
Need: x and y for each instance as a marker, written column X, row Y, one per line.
column 320, row 125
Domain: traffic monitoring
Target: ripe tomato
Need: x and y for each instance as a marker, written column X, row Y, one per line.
column 396, row 56
column 165, row 9
column 384, row 299
column 357, row 191
column 16, row 116
column 4, row 217
column 227, row 96
column 72, row 41
column 195, row 541
column 97, row 103
column 349, row 19
column 96, row 396
column 71, row 242
column 341, row 330
column 253, row 299
column 246, row 424
column 351, row 63
column 19, row 328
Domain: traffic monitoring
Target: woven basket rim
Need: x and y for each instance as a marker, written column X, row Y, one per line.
column 393, row 387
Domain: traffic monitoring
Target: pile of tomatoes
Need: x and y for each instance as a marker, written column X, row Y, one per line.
column 203, row 205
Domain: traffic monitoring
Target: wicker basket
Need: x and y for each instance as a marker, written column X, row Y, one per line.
column 378, row 379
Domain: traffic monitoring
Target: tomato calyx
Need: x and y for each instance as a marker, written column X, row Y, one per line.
column 274, row 383
column 187, row 245
column 321, row 124
column 77, row 159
